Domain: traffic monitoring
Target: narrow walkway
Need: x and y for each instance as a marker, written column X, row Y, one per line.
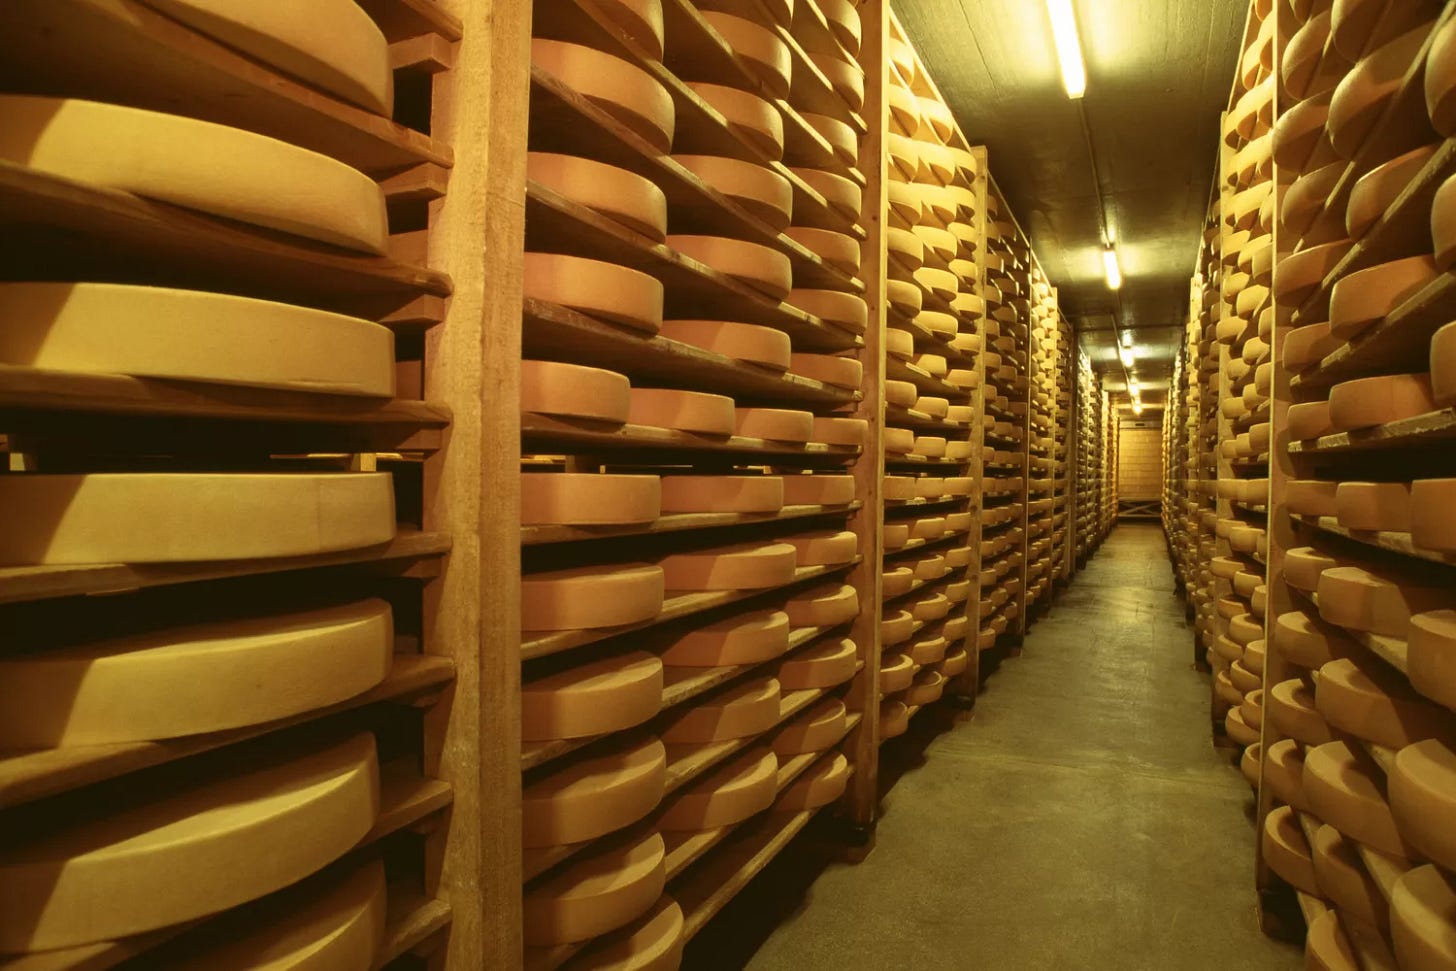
column 1081, row 819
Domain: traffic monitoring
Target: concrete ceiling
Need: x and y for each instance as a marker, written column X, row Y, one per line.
column 1158, row 75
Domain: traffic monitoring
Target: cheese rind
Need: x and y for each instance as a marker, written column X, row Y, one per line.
column 741, row 342
column 616, row 293
column 746, row 566
column 761, row 267
column 603, row 695
column 823, row 665
column 722, row 493
column 757, row 188
column 748, row 709
column 745, row 639
column 589, row 499
column 591, row 597
column 621, row 195
column 622, row 90
column 593, row 797
column 728, row 795
column 688, row 411
column 596, row 893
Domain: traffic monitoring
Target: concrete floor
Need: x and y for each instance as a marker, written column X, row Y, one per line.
column 1080, row 819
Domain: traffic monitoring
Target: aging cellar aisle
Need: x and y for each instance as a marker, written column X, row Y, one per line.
column 1079, row 820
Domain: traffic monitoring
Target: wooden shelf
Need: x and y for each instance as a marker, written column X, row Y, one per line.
column 1393, row 542
column 544, row 433
column 556, row 333
column 535, row 535
column 20, row 583
column 411, row 920
column 898, row 416
column 1431, row 428
column 706, row 888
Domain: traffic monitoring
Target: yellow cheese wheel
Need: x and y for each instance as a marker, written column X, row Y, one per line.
column 748, row 116
column 900, row 344
column 722, row 493
column 1431, row 655
column 1370, row 702
column 843, row 310
column 839, row 250
column 617, row 193
column 600, row 696
column 820, row 488
column 594, row 796
column 814, row 731
column 1365, row 296
column 761, row 267
column 573, row 390
column 746, row 566
column 929, row 567
column 1238, row 730
column 759, row 48
column 598, row 289
column 839, row 372
column 1284, row 772
column 750, row 708
column 931, row 607
column 1346, row 788
column 823, row 606
column 729, row 794
column 927, row 650
column 845, row 76
column 894, row 718
column 652, row 942
column 1423, row 919
column 774, row 424
column 588, row 499
column 591, row 597
column 1361, row 97
column 1379, row 603
column 898, row 441
column 689, row 411
column 942, row 325
column 843, row 143
column 897, row 581
column 1309, row 641
column 1303, row 566
column 755, row 187
column 843, row 195
column 1287, row 852
column 211, row 168
column 1422, row 786
column 1374, row 401
column 1374, row 505
column 1377, row 190
column 822, row 784
column 622, row 90
column 904, row 296
column 186, row 849
column 642, row 21
column 823, row 665
column 1443, row 365
column 840, row 431
column 182, row 517
column 943, row 284
column 596, row 893
column 896, row 673
column 934, row 364
column 1290, row 706
column 744, row 639
column 1309, row 420
column 1311, row 497
column 1431, row 524
column 741, row 342
column 824, row 548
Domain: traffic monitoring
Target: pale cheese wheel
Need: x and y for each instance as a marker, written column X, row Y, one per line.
column 1290, row 706
column 642, row 20
column 595, row 894
column 1308, row 420
column 1249, row 764
column 1309, row 641
column 1287, row 852
column 1431, row 655
column 1237, row 729
column 199, row 165
column 1346, row 788
column 1304, row 347
column 840, row 431
column 606, row 290
column 824, row 665
column 1423, row 919
column 1376, row 191
column 899, row 488
column 1363, row 297
column 818, row 489
column 1440, row 80
column 1363, row 402
column 727, row 795
column 932, row 607
column 183, row 517
column 621, row 89
column 928, row 527
column 652, row 942
column 1244, row 680
column 898, row 441
column 901, row 344
column 745, row 566
column 688, row 411
column 896, row 582
column 1374, row 505
column 1443, row 365
column 188, row 335
column 823, row 606
column 816, row 730
column 929, row 567
column 1367, row 700
column 943, row 284
column 933, row 406
column 824, row 548
column 1360, row 98
column 930, row 446
column 839, row 250
column 1311, row 497
column 821, row 785
column 774, row 424
column 616, row 193
column 838, row 372
column 844, row 310
column 1284, row 772
column 755, row 187
column 1303, row 566
column 186, row 849
column 1431, row 524
column 844, row 76
column 843, row 143
column 934, row 364
column 594, row 796
column 843, row 195
column 750, row 708
column 958, row 451
column 1364, row 600
column 759, row 48
column 601, row 696
column 1422, row 787
column 588, row 499
column 744, row 639
column 905, row 297
column 896, row 673
column 905, row 247
column 939, row 241
column 722, row 493
column 740, row 342
column 591, row 597
column 194, row 679
column 972, row 306
column 940, row 324
column 761, row 267
column 754, row 120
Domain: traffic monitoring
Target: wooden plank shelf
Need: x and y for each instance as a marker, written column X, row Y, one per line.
column 411, row 920
column 124, row 52
column 1432, row 428
column 898, row 370
column 22, row 583
column 556, row 333
column 543, row 643
column 1391, row 650
column 27, row 776
column 67, row 230
column 693, row 290
column 678, row 522
column 898, row 416
column 1393, row 542
column 706, row 888
column 542, row 433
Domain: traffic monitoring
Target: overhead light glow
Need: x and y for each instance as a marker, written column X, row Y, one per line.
column 1110, row 267
column 1127, row 338
column 1127, row 355
column 1137, row 407
column 1069, row 47
column 1133, row 386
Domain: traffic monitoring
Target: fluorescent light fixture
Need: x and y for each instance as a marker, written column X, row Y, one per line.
column 1069, row 47
column 1110, row 267
column 1127, row 338
column 1127, row 355
column 1137, row 407
column 1133, row 386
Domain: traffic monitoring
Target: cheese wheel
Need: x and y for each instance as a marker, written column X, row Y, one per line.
column 818, row 489
column 1287, row 852
column 930, row 446
column 840, row 431
column 1249, row 764
column 1309, row 641
column 641, row 20
column 1376, row 191
column 898, row 441
column 1360, row 98
column 821, row 785
column 1311, row 497
column 758, row 47
column 1284, row 772
column 1304, row 347
column 824, row 665
column 1443, row 365
column 755, row 187
column 746, row 566
column 932, row 607
column 955, row 663
column 895, row 582
column 1290, row 706
column 729, row 794
column 616, row 193
column 594, row 796
column 839, row 250
column 199, row 165
column 1243, row 679
column 187, row 848
column 1303, row 566
column 591, row 597
column 1374, row 505
column 843, row 195
column 652, row 942
column 939, row 324
column 1374, row 401
column 941, row 283
column 839, row 372
column 597, row 893
column 182, row 517
column 844, row 22
column 740, row 342
column 598, row 289
column 1422, row 786
column 895, row 535
column 1363, row 297
column 905, row 297
column 843, row 143
column 604, row 695
column 621, row 89
column 935, row 364
column 844, row 310
column 894, row 718
column 588, row 499
column 814, row 731
column 905, row 247
column 194, row 679
column 824, row 548
column 1238, row 730
column 929, row 567
column 896, row 673
column 774, row 424
column 1431, row 524
column 761, row 267
column 902, row 393
column 1364, row 600
column 1367, row 700
column 939, row 241
column 754, row 120
column 750, row 708
column 844, row 76
column 722, row 493
column 1431, row 655
column 689, row 411
column 1423, row 919
column 1309, row 420
column 1345, row 787
column 745, row 639
column 823, row 606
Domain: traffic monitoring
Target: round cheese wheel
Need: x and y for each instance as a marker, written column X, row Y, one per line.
column 1443, row 365
column 939, row 324
column 929, row 567
column 839, row 250
column 1360, row 98
column 1375, row 191
column 824, row 548
column 746, row 566
column 623, row 90
column 1422, row 786
column 814, row 731
column 897, row 441
column 1304, row 565
column 844, row 76
column 839, row 372
column 1243, row 679
column 1284, row 772
column 905, row 297
column 938, row 241
column 642, row 21
column 844, row 310
column 1300, row 138
column 187, row 848
column 824, row 665
column 840, row 431
column 1374, row 401
column 598, row 289
column 604, row 695
column 591, row 597
column 823, row 606
column 1431, row 523
column 596, row 893
column 1309, row 641
column 895, row 535
column 748, row 116
column 156, row 332
column 741, row 342
column 1238, row 730
column 594, row 796
column 973, row 307
column 1365, row 296
column 900, row 344
column 896, row 673
column 1287, row 852
column 616, row 193
column 902, row 59
column 1363, row 600
column 1309, row 420
column 688, row 411
column 182, row 517
column 722, row 493
column 727, row 795
column 774, row 424
column 1301, row 272
column 1374, row 505
column 1249, row 764
column 926, row 689
column 755, row 187
column 750, row 708
column 759, row 48
column 955, row 663
column 1290, row 706
column 652, row 942
column 1345, row 787
column 1431, row 655
column 588, row 499
column 1252, row 707
column 902, row 393
column 935, row 364
column 1224, row 688
column 940, row 283
column 761, row 267
column 1423, row 919
column 1440, row 81
column 958, row 451
column 194, row 679
column 199, row 165
column 932, row 607
column 843, row 195
column 744, row 639
column 895, row 582
column 930, row 446
column 1311, row 497
column 844, row 22
column 818, row 489
column 927, row 650
column 927, row 527
column 1370, row 702
column 908, row 202
column 820, row 785
column 1327, row 944
column 843, row 143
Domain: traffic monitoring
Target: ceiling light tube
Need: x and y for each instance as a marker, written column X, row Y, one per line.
column 1127, row 356
column 1110, row 267
column 1127, row 338
column 1069, row 47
